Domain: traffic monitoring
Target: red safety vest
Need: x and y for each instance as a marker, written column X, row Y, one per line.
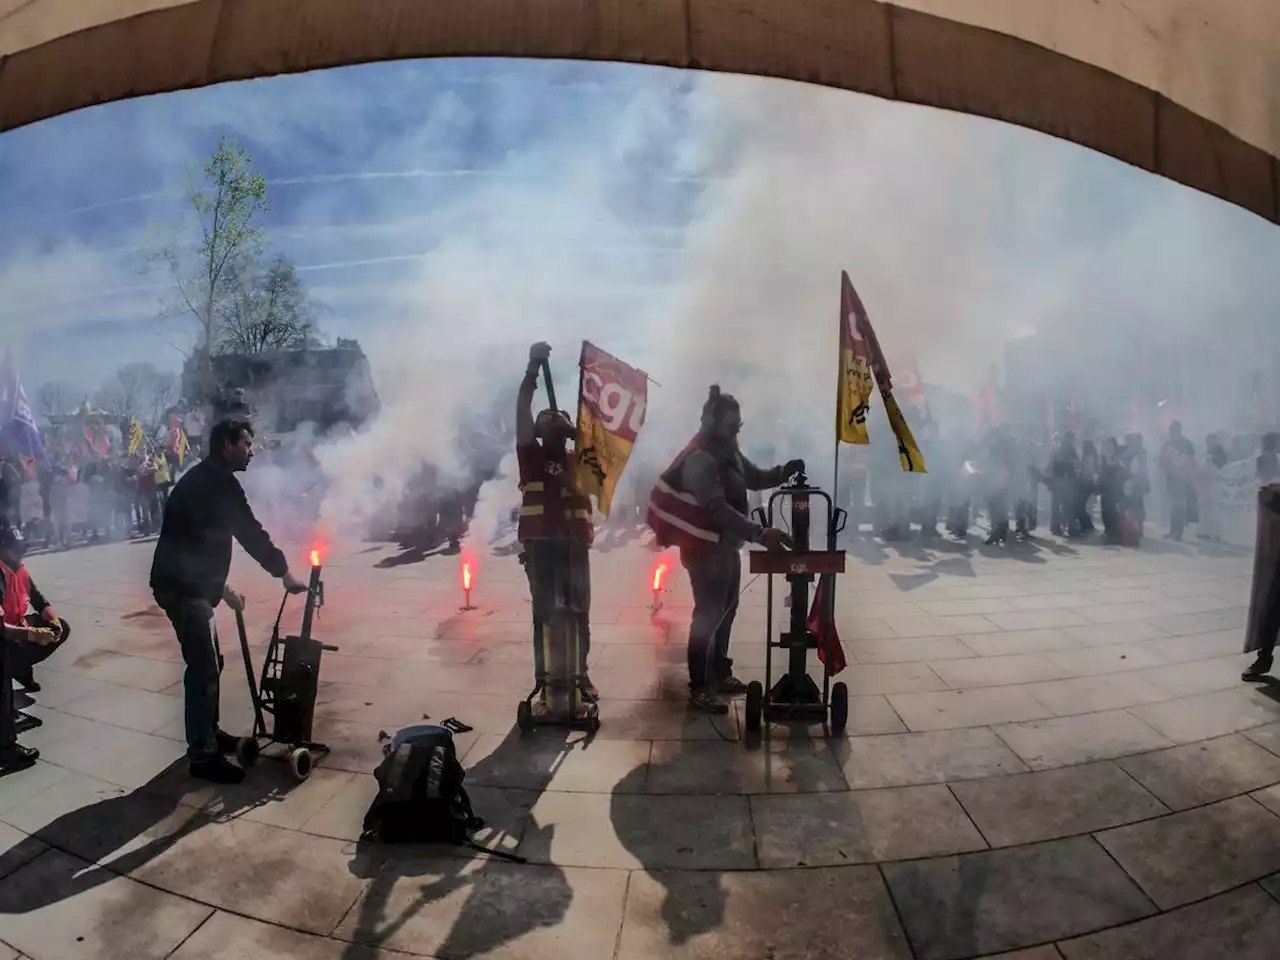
column 551, row 507
column 675, row 516
column 17, row 594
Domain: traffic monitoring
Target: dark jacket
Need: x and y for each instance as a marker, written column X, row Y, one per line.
column 205, row 510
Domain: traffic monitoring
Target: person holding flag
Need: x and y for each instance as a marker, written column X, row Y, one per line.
column 555, row 528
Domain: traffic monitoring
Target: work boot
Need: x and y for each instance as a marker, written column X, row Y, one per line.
column 216, row 769
column 226, row 742
column 16, row 757
column 1261, row 667
column 706, row 700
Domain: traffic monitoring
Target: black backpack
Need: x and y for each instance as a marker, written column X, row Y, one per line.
column 421, row 798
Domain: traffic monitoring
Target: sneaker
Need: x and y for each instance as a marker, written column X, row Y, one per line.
column 1258, row 671
column 217, row 769
column 705, row 699
column 17, row 757
column 731, row 686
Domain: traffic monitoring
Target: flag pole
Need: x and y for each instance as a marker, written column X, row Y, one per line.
column 840, row 388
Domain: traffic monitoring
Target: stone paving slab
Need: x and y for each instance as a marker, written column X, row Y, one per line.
column 1201, row 773
column 1197, row 853
column 1064, row 741
column 695, row 915
column 60, row 908
column 1241, row 925
column 978, row 903
column 917, row 758
column 1029, row 807
column 866, row 826
column 228, row 937
column 455, row 910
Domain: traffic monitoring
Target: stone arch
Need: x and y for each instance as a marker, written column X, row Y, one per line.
column 1187, row 89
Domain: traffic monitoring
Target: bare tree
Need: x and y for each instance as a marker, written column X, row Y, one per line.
column 57, row 397
column 138, row 391
column 268, row 312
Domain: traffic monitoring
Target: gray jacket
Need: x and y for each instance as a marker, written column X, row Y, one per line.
column 719, row 482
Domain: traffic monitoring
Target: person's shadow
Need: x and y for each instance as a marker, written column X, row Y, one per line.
column 97, row 833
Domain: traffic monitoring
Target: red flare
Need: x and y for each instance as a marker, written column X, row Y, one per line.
column 314, row 555
column 468, row 573
column 659, row 575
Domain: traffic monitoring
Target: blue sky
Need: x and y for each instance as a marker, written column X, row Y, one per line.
column 696, row 224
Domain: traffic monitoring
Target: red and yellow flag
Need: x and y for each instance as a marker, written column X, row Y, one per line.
column 861, row 359
column 612, row 398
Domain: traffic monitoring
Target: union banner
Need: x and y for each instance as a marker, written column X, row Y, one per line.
column 612, row 397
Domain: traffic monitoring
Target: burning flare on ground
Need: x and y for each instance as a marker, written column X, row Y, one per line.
column 658, row 579
column 468, row 577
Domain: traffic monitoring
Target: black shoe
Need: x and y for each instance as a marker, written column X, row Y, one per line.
column 1258, row 671
column 705, row 699
column 730, row 686
column 226, row 742
column 28, row 684
column 17, row 757
column 217, row 769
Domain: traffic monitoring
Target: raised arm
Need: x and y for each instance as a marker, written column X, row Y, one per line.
column 538, row 354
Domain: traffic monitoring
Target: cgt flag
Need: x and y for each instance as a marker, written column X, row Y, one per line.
column 612, row 398
column 860, row 359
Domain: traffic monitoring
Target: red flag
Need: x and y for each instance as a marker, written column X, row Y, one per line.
column 822, row 624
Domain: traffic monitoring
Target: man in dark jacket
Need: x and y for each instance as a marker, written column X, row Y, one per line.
column 189, row 578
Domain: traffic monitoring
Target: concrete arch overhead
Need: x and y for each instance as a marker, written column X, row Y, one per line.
column 1188, row 89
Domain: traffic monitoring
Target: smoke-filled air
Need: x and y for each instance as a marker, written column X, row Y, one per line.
column 445, row 215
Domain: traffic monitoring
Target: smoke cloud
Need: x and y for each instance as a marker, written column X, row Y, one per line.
column 447, row 214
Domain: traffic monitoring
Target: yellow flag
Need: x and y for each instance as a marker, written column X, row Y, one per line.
column 860, row 358
column 854, row 386
column 908, row 452
column 612, row 397
column 135, row 436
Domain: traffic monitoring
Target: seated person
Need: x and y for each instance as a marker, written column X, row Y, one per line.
column 21, row 645
column 18, row 594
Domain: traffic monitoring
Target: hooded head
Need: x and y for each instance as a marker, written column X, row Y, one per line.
column 721, row 417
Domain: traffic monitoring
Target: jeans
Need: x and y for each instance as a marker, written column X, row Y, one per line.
column 193, row 622
column 716, row 579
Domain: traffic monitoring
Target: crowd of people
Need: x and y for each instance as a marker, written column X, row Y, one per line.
column 80, row 498
column 1079, row 484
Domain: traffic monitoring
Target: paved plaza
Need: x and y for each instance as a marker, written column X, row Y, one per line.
column 1050, row 755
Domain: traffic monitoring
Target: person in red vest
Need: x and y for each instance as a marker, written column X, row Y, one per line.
column 26, row 640
column 555, row 518
column 700, row 505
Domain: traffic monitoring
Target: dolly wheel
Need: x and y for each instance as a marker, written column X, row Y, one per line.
column 247, row 752
column 755, row 705
column 839, row 708
column 302, row 763
column 524, row 716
